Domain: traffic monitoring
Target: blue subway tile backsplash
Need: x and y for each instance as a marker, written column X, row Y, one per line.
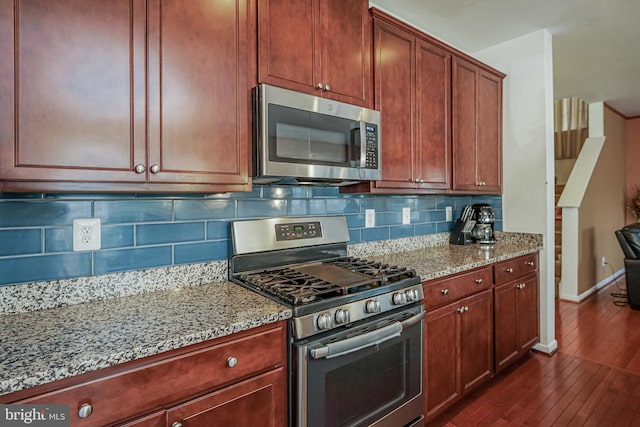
column 151, row 230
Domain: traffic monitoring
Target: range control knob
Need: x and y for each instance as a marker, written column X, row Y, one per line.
column 372, row 306
column 324, row 321
column 399, row 298
column 412, row 295
column 342, row 316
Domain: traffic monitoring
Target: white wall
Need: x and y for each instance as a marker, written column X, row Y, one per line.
column 528, row 196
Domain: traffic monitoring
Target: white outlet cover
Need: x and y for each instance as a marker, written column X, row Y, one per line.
column 369, row 218
column 448, row 213
column 406, row 215
column 87, row 234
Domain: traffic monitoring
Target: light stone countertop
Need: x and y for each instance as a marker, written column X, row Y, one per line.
column 55, row 330
column 47, row 345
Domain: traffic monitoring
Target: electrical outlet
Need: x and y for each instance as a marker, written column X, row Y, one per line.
column 448, row 211
column 603, row 262
column 86, row 234
column 369, row 218
column 406, row 215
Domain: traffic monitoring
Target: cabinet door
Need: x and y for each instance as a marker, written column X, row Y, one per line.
column 464, row 125
column 441, row 354
column 289, row 56
column 346, row 51
column 72, row 90
column 198, row 92
column 258, row 401
column 528, row 312
column 506, row 326
column 432, row 119
column 476, row 340
column 489, row 150
column 394, row 57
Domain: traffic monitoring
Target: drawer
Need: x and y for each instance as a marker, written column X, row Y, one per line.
column 442, row 291
column 126, row 394
column 512, row 269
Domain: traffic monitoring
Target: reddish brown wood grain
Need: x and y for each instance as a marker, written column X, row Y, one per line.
column 303, row 44
column 589, row 381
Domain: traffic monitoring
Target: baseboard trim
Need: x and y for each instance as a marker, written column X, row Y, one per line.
column 549, row 348
column 586, row 294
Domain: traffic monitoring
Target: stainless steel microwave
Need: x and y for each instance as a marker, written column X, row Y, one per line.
column 300, row 138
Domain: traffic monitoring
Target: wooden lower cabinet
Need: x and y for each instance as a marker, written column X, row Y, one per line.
column 516, row 319
column 238, row 380
column 458, row 350
column 254, row 402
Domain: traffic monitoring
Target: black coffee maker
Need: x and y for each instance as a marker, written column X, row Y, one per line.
column 484, row 217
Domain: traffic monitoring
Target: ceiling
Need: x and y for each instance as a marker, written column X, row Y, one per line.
column 596, row 43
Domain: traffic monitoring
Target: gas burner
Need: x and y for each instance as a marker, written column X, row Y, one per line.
column 385, row 272
column 294, row 286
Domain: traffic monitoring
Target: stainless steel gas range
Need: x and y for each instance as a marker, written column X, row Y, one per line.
column 357, row 326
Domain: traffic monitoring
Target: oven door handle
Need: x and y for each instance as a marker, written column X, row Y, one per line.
column 369, row 339
column 356, row 343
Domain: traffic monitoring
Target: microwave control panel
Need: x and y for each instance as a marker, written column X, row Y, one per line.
column 298, row 230
column 371, row 146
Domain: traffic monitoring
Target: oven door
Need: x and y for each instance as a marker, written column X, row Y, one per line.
column 370, row 374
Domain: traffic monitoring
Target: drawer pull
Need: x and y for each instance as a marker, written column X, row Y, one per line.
column 522, row 286
column 444, row 291
column 509, row 270
column 530, row 263
column 176, row 424
column 232, row 362
column 85, row 410
column 463, row 309
column 479, row 281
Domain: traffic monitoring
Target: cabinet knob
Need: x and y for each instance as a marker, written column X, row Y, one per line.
column 176, row 424
column 320, row 85
column 466, row 308
column 140, row 168
column 232, row 362
column 479, row 281
column 327, row 88
column 509, row 270
column 155, row 168
column 421, row 181
column 85, row 410
column 461, row 310
column 530, row 263
column 444, row 291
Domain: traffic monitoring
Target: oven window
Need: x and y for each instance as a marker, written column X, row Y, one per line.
column 359, row 389
column 299, row 136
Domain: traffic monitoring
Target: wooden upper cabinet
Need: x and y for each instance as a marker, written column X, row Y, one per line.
column 72, row 95
column 198, row 92
column 124, row 95
column 321, row 47
column 432, row 117
column 394, row 64
column 477, row 128
column 412, row 89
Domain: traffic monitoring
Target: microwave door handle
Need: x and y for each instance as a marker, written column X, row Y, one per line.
column 363, row 145
column 353, row 155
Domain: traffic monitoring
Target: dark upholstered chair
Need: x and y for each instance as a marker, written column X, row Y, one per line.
column 629, row 239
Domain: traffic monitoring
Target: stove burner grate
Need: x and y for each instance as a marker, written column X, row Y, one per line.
column 295, row 286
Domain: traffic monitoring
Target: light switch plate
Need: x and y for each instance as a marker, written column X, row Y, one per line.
column 369, row 218
column 448, row 211
column 86, row 234
column 406, row 215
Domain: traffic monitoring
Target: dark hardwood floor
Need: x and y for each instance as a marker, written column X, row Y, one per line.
column 593, row 379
